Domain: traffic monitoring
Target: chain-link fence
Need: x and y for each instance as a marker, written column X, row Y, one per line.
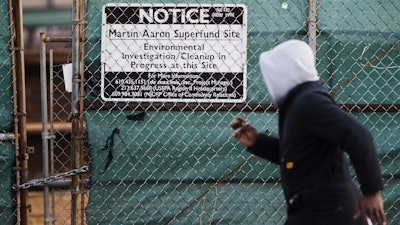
column 160, row 147
column 60, row 160
column 163, row 81
column 55, row 198
column 9, row 166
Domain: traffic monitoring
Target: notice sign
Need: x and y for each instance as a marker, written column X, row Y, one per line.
column 174, row 52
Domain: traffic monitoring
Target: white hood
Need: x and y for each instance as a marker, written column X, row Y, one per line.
column 286, row 66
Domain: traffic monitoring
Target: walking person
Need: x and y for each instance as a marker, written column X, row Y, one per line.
column 314, row 137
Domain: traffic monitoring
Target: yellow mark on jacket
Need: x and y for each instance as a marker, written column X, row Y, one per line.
column 289, row 165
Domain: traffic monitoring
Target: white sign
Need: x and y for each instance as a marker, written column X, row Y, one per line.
column 174, row 52
column 67, row 73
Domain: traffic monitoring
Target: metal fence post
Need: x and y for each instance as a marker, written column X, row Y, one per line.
column 312, row 25
column 21, row 114
column 76, row 140
column 45, row 133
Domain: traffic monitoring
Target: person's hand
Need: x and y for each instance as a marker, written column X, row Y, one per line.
column 244, row 132
column 371, row 207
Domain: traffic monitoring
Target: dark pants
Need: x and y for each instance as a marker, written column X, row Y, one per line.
column 329, row 205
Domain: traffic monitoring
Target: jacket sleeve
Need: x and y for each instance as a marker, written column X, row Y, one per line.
column 266, row 147
column 327, row 121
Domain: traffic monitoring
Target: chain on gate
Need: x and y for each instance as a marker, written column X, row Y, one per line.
column 47, row 180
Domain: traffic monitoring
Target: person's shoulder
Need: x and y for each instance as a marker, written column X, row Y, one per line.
column 315, row 95
column 313, row 103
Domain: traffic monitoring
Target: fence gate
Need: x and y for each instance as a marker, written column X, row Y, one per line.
column 64, row 171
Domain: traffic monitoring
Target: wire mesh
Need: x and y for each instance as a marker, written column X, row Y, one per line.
column 173, row 161
column 60, row 148
column 157, row 161
column 8, row 204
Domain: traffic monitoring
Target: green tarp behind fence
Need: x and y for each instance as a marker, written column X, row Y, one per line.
column 6, row 103
column 7, row 204
column 147, row 171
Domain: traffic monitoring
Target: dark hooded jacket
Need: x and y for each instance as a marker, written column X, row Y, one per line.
column 314, row 135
